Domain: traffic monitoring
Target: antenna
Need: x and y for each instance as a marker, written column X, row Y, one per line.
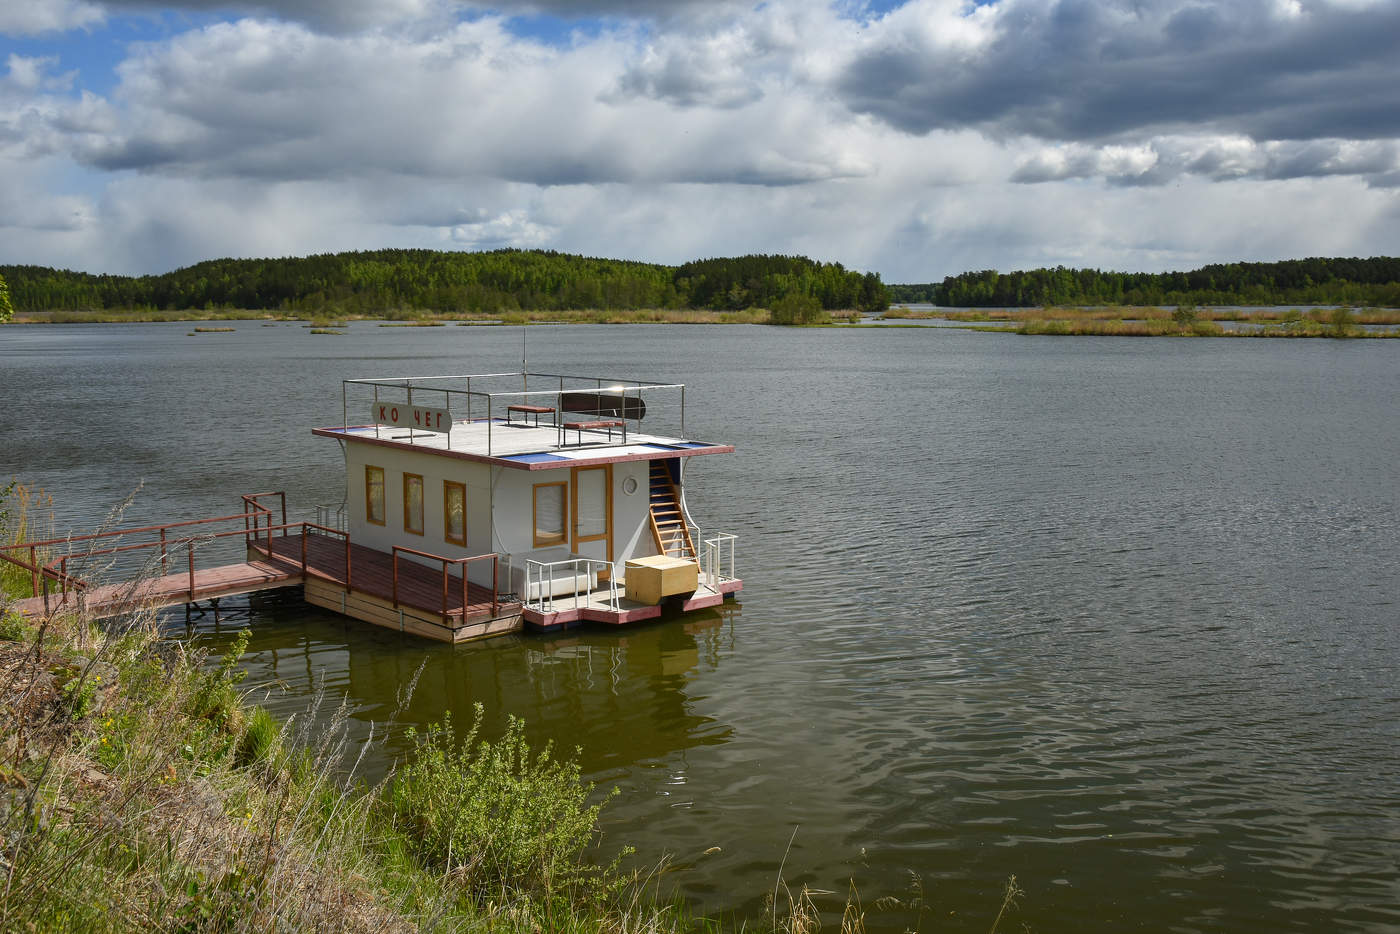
column 524, row 366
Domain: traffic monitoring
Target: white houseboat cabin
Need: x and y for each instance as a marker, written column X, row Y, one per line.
column 505, row 499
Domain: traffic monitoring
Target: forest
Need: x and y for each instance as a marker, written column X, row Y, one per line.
column 1317, row 281
column 387, row 282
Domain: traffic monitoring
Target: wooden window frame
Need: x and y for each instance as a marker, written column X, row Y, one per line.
column 421, row 495
column 369, row 497
column 607, row 533
column 447, row 486
column 563, row 536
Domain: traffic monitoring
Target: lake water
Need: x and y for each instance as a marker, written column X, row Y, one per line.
column 1116, row 616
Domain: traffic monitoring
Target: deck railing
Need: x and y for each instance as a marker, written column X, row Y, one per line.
column 331, row 515
column 448, row 563
column 462, row 403
column 718, row 555
column 540, row 577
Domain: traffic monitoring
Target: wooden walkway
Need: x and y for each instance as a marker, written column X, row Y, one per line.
column 420, row 587
column 171, row 590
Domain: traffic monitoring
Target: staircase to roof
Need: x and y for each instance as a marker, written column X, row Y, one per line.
column 667, row 521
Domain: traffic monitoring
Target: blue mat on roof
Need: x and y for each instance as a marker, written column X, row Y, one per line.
column 692, row 444
column 534, row 458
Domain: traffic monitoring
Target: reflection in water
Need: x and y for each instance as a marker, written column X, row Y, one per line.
column 619, row 695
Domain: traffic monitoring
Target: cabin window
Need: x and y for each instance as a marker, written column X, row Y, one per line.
column 374, row 495
column 592, row 502
column 549, row 513
column 454, row 513
column 413, row 503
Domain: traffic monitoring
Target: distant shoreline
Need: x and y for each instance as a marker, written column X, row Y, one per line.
column 1279, row 321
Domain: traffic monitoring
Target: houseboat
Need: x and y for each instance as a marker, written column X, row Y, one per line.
column 500, row 500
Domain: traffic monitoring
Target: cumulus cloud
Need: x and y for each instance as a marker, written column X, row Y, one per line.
column 1220, row 159
column 271, row 100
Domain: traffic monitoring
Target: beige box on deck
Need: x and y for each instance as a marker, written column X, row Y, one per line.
column 650, row 579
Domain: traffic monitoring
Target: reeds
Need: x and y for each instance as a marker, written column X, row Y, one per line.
column 26, row 514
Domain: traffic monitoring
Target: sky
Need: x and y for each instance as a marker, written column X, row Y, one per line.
column 915, row 139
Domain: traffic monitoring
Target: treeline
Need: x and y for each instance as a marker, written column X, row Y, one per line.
column 1318, row 281
column 389, row 281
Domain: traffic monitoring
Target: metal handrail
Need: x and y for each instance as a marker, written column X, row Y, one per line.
column 61, row 576
column 535, row 571
column 42, row 573
column 494, row 399
column 446, row 563
column 714, row 559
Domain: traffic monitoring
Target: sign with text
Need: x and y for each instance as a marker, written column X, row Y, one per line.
column 413, row 416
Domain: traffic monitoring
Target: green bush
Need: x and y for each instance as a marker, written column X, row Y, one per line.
column 215, row 698
column 261, row 739
column 13, row 628
column 796, row 308
column 496, row 816
column 1343, row 322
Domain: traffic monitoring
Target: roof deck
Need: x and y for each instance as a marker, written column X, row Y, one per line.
column 529, row 421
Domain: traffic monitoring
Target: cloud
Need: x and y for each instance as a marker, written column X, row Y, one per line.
column 1095, row 70
column 342, row 16
column 1221, row 159
column 277, row 101
column 33, row 17
column 921, row 142
column 333, row 15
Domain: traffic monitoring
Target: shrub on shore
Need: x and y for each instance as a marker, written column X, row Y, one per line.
column 138, row 790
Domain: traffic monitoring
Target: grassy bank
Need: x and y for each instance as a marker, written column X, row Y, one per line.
column 1125, row 321
column 138, row 790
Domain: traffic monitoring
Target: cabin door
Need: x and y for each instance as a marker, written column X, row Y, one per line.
column 592, row 514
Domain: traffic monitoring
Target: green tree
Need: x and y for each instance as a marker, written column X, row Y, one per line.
column 6, row 310
column 1343, row 321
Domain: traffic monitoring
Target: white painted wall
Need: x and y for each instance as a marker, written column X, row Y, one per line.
column 632, row 536
column 434, row 469
column 505, row 492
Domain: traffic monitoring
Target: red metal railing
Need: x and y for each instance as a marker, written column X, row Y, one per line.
column 446, row 577
column 258, row 532
column 56, row 569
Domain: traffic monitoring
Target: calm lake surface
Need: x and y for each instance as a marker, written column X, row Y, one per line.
column 1116, row 616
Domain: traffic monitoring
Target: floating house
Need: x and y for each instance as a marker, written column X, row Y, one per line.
column 474, row 506
column 554, row 499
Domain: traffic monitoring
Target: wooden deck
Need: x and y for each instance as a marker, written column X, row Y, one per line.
column 366, row 591
column 171, row 590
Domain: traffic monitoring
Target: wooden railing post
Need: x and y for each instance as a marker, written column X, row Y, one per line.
column 495, row 600
column 164, row 564
column 34, row 569
column 191, row 552
column 394, row 564
column 347, row 563
column 304, row 533
column 444, row 592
